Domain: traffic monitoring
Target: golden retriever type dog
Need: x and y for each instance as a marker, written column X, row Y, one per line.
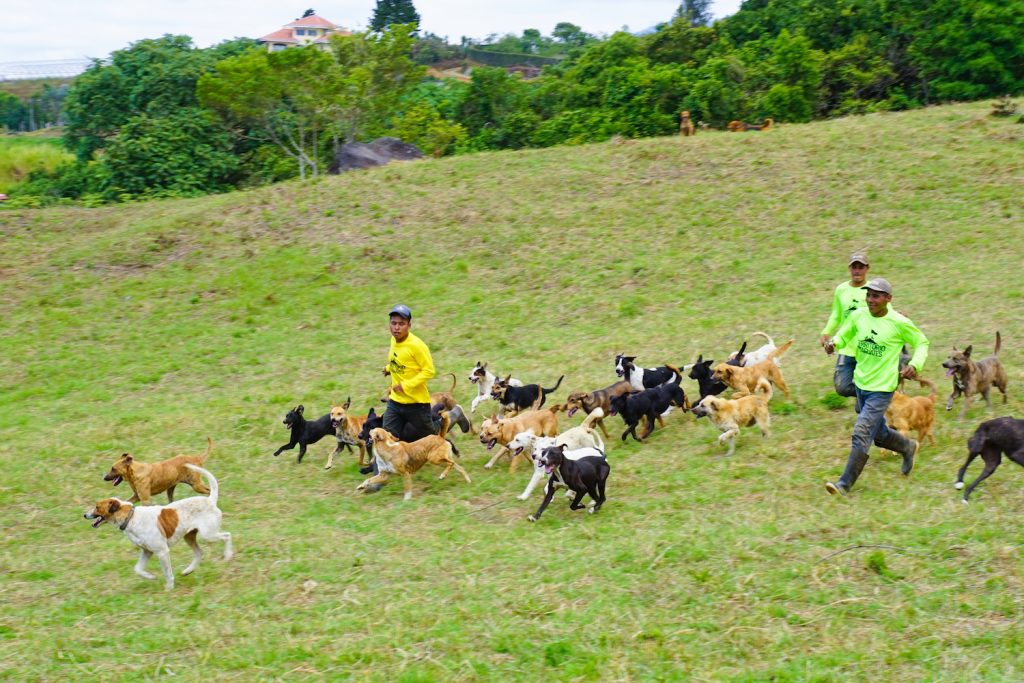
column 404, row 458
column 914, row 412
column 347, row 426
column 744, row 379
column 155, row 528
column 686, row 127
column 149, row 479
column 494, row 431
column 729, row 415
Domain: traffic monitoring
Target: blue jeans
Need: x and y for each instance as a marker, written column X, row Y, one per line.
column 871, row 428
column 842, row 378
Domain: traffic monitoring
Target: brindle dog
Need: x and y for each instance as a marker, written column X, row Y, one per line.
column 587, row 401
column 970, row 378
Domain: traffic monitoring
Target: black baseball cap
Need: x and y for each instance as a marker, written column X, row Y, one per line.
column 402, row 310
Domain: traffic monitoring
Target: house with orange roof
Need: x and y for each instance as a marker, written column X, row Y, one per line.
column 309, row 30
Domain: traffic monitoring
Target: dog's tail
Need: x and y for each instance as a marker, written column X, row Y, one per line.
column 999, row 344
column 214, row 489
column 763, row 388
column 209, row 449
column 679, row 374
column 454, row 381
column 446, row 422
column 544, row 392
column 934, row 394
column 777, row 353
column 764, row 335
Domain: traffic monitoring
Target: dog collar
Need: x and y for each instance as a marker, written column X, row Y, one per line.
column 129, row 518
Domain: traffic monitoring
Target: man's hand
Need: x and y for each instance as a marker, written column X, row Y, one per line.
column 908, row 372
column 823, row 339
column 385, row 371
column 398, row 388
column 829, row 347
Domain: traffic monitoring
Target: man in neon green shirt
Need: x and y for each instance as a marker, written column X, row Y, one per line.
column 410, row 365
column 848, row 297
column 877, row 334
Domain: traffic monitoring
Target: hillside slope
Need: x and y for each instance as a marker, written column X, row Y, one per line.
column 146, row 328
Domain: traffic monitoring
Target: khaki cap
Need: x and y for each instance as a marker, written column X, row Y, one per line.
column 859, row 257
column 879, row 284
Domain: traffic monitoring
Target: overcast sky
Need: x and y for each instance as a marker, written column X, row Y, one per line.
column 40, row 30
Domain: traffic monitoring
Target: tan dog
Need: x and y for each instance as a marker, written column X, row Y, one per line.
column 970, row 378
column 740, row 126
column 494, row 431
column 729, row 415
column 587, row 401
column 914, row 412
column 348, row 426
column 446, row 399
column 744, row 379
column 686, row 127
column 400, row 457
column 149, row 479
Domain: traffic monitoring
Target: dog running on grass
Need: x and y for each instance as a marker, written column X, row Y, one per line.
column 528, row 396
column 155, row 528
column 494, row 431
column 651, row 403
column 589, row 401
column 729, row 415
column 149, row 479
column 914, row 412
column 400, row 457
column 991, row 440
column 744, row 379
column 970, row 377
column 587, row 475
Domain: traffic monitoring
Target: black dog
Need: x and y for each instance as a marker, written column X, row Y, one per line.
column 701, row 371
column 305, row 433
column 991, row 440
column 641, row 378
column 586, row 475
column 651, row 403
column 521, row 398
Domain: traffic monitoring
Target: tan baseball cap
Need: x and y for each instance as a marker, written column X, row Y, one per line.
column 859, row 257
column 879, row 284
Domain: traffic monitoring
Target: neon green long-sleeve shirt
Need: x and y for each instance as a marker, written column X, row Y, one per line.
column 878, row 342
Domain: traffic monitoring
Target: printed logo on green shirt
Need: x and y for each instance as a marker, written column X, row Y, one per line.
column 870, row 346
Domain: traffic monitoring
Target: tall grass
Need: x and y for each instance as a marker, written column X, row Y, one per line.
column 146, row 328
column 20, row 155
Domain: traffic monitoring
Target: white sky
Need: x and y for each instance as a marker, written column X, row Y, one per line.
column 41, row 30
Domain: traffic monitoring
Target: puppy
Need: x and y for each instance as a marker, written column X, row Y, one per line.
column 992, row 439
column 155, row 528
column 641, row 378
column 744, row 379
column 686, row 127
column 484, row 380
column 305, row 433
column 589, row 401
column 757, row 355
column 347, row 426
column 730, row 415
column 574, row 439
column 970, row 378
column 651, row 403
column 530, row 396
column 147, row 480
column 400, row 457
column 494, row 431
column 914, row 412
column 587, row 475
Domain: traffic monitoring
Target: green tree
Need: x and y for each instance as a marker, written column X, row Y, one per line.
column 695, row 12
column 12, row 112
column 388, row 12
column 570, row 35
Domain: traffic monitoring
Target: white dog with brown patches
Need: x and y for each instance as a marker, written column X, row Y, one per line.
column 155, row 528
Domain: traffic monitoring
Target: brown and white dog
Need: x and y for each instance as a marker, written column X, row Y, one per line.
column 588, row 401
column 348, row 426
column 970, row 378
column 744, row 379
column 914, row 412
column 729, row 415
column 686, row 127
column 149, row 479
column 155, row 528
column 494, row 431
column 404, row 458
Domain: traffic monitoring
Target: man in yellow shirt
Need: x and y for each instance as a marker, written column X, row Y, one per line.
column 877, row 335
column 847, row 298
column 407, row 415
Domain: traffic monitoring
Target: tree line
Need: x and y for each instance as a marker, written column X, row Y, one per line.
column 162, row 118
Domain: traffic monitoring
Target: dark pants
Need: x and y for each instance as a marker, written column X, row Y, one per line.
column 842, row 378
column 871, row 428
column 408, row 421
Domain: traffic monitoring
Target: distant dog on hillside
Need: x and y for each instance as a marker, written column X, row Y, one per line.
column 971, row 378
column 740, row 126
column 686, row 127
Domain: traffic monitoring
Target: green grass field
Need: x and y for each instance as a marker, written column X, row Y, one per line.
column 145, row 328
column 22, row 154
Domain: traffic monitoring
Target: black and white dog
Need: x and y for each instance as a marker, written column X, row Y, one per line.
column 585, row 475
column 641, row 378
column 521, row 398
column 305, row 433
column 650, row 403
column 484, row 380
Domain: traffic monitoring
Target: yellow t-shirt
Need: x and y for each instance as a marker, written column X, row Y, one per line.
column 411, row 366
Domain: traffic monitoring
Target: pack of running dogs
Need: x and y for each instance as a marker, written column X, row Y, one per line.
column 523, row 430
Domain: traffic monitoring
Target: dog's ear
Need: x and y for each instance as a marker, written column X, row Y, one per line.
column 700, row 359
column 629, row 359
column 347, row 403
column 300, row 409
column 114, row 506
column 967, row 351
column 127, row 459
column 483, row 366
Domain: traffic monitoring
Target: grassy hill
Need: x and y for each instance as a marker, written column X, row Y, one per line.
column 146, row 328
